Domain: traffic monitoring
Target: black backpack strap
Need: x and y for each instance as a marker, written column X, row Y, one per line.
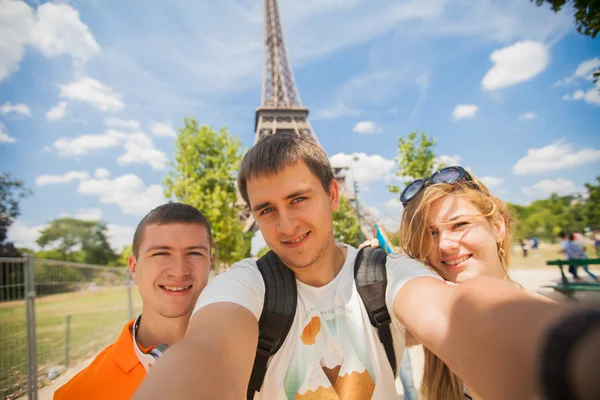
column 370, row 278
column 279, row 309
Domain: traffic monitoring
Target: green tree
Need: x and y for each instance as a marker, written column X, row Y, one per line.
column 345, row 223
column 71, row 236
column 203, row 176
column 124, row 257
column 263, row 251
column 591, row 207
column 587, row 14
column 415, row 158
column 12, row 191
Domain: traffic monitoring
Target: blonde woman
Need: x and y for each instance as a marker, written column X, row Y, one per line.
column 452, row 224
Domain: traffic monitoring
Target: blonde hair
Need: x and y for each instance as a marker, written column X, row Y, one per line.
column 439, row 382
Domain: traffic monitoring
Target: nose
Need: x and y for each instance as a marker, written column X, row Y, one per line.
column 180, row 266
column 448, row 243
column 287, row 224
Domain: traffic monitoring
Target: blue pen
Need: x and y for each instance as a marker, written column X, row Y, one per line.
column 384, row 242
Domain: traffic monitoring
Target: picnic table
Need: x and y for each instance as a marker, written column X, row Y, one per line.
column 569, row 288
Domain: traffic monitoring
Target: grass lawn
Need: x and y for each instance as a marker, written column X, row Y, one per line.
column 97, row 318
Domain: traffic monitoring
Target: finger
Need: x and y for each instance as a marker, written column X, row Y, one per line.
column 374, row 243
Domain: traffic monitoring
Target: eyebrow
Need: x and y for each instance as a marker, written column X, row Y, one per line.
column 297, row 193
column 157, row 247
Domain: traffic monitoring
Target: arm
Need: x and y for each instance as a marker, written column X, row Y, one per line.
column 213, row 361
column 488, row 331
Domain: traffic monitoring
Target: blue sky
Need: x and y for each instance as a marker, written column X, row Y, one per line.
column 92, row 93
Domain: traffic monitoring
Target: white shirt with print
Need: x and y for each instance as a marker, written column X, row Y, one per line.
column 331, row 351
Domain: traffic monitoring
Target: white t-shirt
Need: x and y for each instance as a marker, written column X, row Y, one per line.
column 332, row 350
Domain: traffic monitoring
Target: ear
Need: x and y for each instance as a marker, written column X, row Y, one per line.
column 334, row 195
column 499, row 228
column 132, row 265
column 210, row 265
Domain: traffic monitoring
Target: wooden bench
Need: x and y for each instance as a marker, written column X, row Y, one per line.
column 569, row 288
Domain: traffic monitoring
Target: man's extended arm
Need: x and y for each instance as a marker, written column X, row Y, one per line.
column 213, row 361
column 488, row 331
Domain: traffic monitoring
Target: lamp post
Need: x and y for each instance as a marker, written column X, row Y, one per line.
column 361, row 238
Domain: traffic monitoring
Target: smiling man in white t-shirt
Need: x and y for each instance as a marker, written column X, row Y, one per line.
column 332, row 351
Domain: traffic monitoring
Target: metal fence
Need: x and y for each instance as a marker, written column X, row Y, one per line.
column 54, row 313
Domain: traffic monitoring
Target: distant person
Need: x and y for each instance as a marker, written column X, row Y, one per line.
column 535, row 243
column 524, row 247
column 597, row 242
column 574, row 251
column 171, row 262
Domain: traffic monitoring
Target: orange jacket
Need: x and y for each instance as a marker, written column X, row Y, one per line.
column 115, row 373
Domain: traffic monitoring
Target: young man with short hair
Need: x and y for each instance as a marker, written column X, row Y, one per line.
column 486, row 330
column 171, row 263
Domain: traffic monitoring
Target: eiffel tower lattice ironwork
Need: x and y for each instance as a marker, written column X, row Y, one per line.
column 281, row 110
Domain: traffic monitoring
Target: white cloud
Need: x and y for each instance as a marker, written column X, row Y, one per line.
column 4, row 137
column 24, row 235
column 70, row 176
column 393, row 205
column 446, row 160
column 578, row 95
column 517, row 63
column 54, row 29
column 592, row 96
column 529, row 115
column 101, row 173
column 554, row 157
column 120, row 236
column 122, row 123
column 19, row 109
column 464, row 111
column 57, row 112
column 366, row 168
column 491, row 181
column 366, row 128
column 84, row 144
column 583, row 71
column 140, row 150
column 338, row 110
column 546, row 187
column 128, row 192
column 162, row 129
column 91, row 91
column 60, row 31
column 89, row 214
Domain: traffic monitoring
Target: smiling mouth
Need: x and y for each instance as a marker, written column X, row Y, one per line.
column 295, row 241
column 175, row 288
column 455, row 262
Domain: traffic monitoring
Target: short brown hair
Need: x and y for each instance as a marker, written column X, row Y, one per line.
column 275, row 152
column 170, row 213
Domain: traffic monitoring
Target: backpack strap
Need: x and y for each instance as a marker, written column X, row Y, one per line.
column 279, row 309
column 370, row 278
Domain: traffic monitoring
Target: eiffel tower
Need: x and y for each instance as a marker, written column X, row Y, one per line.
column 281, row 110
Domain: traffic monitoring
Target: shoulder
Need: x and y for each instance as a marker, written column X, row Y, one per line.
column 400, row 270
column 90, row 378
column 242, row 284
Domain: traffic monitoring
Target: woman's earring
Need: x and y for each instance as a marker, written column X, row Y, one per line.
column 502, row 255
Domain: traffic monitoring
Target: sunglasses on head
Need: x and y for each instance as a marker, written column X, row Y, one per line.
column 445, row 175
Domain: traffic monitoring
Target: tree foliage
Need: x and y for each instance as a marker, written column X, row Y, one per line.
column 587, row 14
column 263, row 251
column 203, row 176
column 78, row 240
column 545, row 218
column 415, row 159
column 12, row 191
column 345, row 223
